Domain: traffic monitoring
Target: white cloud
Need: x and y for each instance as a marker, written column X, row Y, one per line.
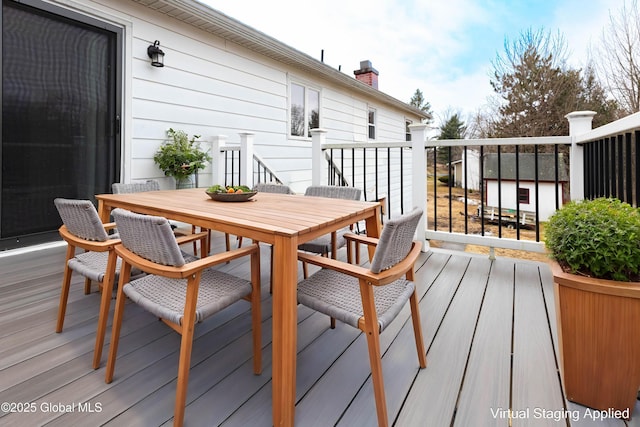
column 444, row 49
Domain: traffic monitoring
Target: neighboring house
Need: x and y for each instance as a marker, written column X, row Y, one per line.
column 83, row 106
column 466, row 171
column 522, row 193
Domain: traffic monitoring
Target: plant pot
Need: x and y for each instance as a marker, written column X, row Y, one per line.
column 599, row 337
column 187, row 182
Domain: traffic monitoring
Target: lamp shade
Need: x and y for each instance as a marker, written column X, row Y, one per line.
column 156, row 54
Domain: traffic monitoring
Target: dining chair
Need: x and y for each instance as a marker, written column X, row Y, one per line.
column 330, row 243
column 272, row 187
column 154, row 185
column 81, row 228
column 179, row 292
column 370, row 298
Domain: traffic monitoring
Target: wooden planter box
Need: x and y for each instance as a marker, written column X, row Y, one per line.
column 599, row 337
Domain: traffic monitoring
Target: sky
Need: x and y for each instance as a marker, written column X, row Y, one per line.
column 445, row 48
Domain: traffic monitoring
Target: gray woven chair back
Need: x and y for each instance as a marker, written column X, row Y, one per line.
column 395, row 241
column 149, row 236
column 81, row 219
column 267, row 187
column 135, row 187
column 334, row 192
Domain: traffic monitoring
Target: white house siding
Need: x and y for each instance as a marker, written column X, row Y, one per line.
column 510, row 196
column 210, row 86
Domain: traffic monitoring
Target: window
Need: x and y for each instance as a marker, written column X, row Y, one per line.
column 407, row 131
column 523, row 195
column 305, row 110
column 372, row 123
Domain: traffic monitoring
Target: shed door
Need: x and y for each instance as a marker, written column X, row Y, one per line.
column 60, row 116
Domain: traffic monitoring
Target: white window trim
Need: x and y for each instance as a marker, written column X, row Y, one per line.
column 307, row 85
column 407, row 132
column 374, row 124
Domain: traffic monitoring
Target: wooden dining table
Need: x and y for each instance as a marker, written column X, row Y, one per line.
column 282, row 220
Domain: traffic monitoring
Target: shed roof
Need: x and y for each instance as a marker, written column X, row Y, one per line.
column 215, row 22
column 526, row 166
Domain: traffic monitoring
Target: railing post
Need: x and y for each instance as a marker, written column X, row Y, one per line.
column 419, row 179
column 318, row 138
column 217, row 162
column 246, row 159
column 579, row 123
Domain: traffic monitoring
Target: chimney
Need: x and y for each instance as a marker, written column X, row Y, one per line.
column 367, row 74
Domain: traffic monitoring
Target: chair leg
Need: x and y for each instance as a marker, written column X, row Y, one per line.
column 105, row 302
column 334, row 245
column 118, row 312
column 271, row 277
column 417, row 330
column 195, row 246
column 256, row 316
column 373, row 343
column 64, row 292
column 87, row 286
column 184, row 365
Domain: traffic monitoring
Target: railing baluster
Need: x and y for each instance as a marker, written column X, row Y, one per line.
column 628, row 179
column 517, row 160
column 537, row 196
column 637, row 168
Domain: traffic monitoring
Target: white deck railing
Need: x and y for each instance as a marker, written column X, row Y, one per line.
column 396, row 172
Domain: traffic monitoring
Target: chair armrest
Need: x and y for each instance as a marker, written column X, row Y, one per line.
column 377, row 279
column 370, row 241
column 191, row 237
column 89, row 245
column 186, row 270
column 333, row 264
column 220, row 258
column 109, row 226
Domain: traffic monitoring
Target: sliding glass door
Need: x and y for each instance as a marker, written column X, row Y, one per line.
column 60, row 115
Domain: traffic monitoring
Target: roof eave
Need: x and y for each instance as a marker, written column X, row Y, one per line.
column 215, row 22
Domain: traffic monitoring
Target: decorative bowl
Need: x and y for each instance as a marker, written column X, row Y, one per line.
column 232, row 197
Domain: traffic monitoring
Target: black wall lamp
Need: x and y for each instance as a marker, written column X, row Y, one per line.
column 156, row 54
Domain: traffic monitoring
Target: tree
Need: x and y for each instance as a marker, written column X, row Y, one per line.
column 618, row 57
column 594, row 98
column 418, row 101
column 452, row 128
column 538, row 90
column 533, row 86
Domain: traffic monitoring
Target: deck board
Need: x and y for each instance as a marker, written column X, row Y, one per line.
column 433, row 397
column 486, row 388
column 471, row 310
column 536, row 392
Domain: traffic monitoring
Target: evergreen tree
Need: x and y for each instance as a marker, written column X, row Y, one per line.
column 452, row 128
column 418, row 101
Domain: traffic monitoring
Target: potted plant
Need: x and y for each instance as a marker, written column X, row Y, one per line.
column 181, row 157
column 596, row 248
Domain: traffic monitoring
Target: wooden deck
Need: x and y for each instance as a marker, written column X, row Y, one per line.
column 489, row 328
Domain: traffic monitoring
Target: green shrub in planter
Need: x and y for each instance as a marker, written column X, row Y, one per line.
column 181, row 157
column 598, row 238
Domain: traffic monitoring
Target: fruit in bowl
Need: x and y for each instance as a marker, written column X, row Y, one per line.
column 230, row 193
column 220, row 189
